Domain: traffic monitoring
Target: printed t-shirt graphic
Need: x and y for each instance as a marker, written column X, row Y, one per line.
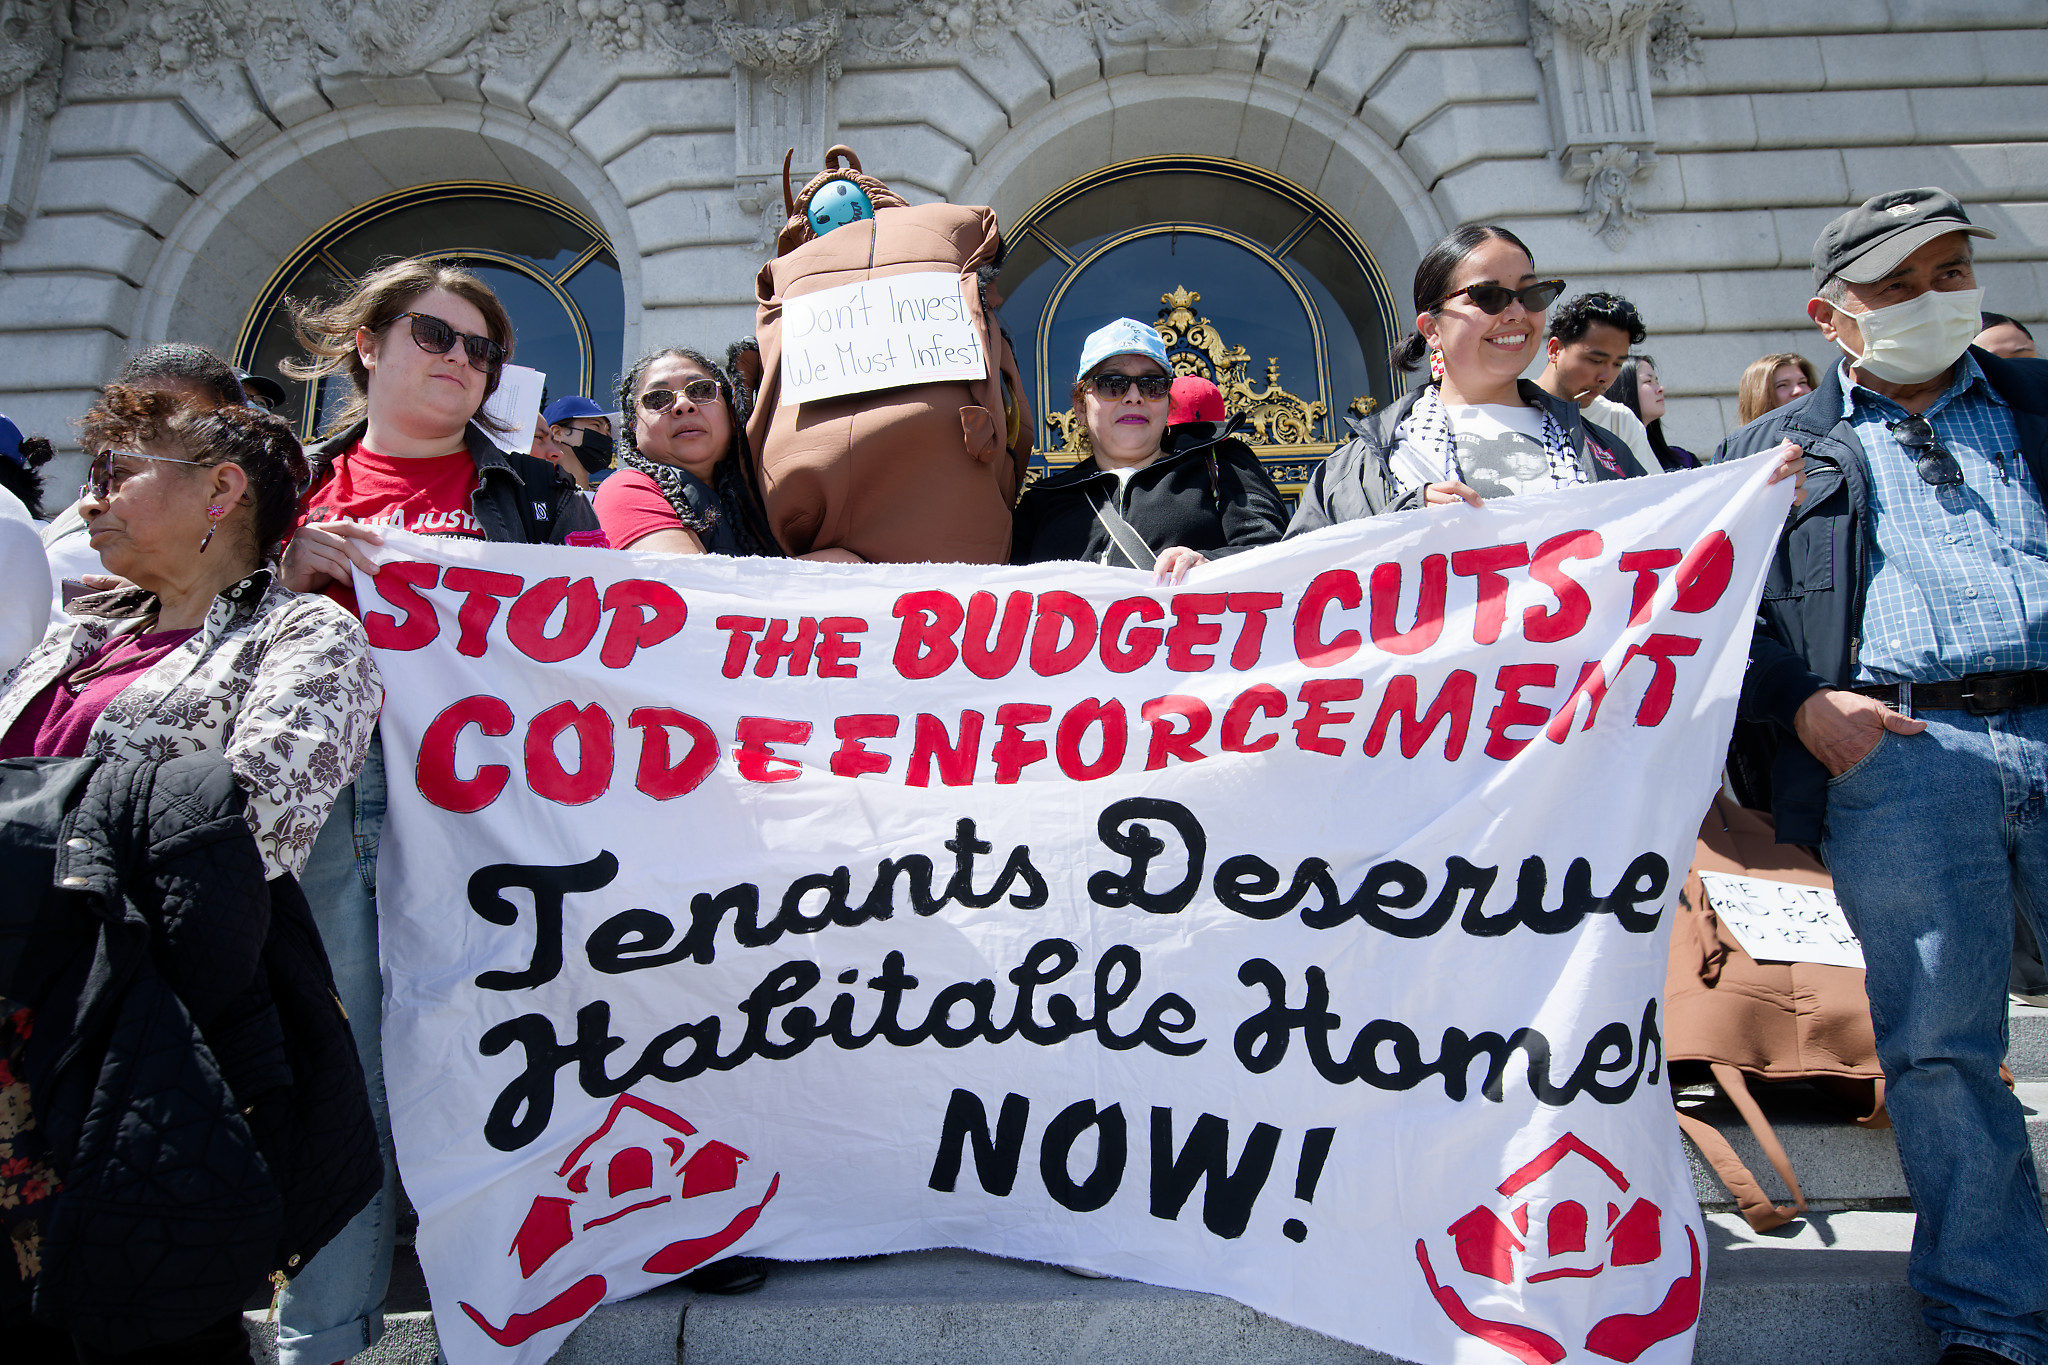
column 1500, row 452
column 427, row 496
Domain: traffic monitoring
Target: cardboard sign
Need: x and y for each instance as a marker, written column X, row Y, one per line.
column 1781, row 922
column 1296, row 933
column 879, row 334
column 516, row 405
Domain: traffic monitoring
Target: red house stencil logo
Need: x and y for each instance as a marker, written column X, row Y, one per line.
column 1589, row 1226
column 640, row 1160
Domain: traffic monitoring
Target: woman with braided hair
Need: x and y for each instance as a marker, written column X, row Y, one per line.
column 685, row 483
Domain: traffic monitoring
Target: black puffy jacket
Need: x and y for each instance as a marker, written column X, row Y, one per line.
column 1211, row 495
column 190, row 1065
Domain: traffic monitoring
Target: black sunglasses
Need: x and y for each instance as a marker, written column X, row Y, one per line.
column 1114, row 385
column 1493, row 299
column 698, row 391
column 1936, row 465
column 436, row 337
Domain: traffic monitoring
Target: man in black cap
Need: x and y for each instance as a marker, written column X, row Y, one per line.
column 1901, row 654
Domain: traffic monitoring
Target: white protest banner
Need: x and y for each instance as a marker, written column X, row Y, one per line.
column 879, row 334
column 1295, row 934
column 1781, row 922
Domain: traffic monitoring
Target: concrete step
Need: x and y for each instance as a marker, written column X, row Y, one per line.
column 1838, row 1164
column 2027, row 1052
column 1830, row 1290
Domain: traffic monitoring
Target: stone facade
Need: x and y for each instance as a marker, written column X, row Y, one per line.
column 158, row 161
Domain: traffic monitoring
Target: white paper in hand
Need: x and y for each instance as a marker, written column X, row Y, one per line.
column 1781, row 922
column 516, row 405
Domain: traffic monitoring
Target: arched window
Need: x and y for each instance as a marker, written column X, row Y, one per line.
column 551, row 267
column 1253, row 282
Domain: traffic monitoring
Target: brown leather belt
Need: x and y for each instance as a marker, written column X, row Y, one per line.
column 1980, row 694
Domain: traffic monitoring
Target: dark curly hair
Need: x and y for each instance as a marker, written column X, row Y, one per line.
column 1434, row 275
column 735, row 479
column 260, row 442
column 1572, row 319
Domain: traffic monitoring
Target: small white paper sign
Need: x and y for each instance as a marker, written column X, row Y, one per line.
column 879, row 334
column 516, row 404
column 1781, row 922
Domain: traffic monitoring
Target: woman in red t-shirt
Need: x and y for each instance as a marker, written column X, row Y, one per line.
column 685, row 483
column 421, row 343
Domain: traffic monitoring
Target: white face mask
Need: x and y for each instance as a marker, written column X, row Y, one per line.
column 1911, row 342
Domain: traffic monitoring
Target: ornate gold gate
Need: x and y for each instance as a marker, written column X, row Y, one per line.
column 1281, row 427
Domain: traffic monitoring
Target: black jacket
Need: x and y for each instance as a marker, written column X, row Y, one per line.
column 1357, row 480
column 519, row 499
column 1171, row 501
column 1811, row 618
column 190, row 1067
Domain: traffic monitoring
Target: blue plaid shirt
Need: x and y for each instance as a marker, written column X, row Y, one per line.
column 1958, row 576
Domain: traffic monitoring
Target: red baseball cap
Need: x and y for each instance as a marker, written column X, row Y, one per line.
column 1194, row 399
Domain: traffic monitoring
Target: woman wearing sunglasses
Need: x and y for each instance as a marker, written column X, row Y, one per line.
column 1479, row 430
column 685, row 483
column 421, row 344
column 1141, row 499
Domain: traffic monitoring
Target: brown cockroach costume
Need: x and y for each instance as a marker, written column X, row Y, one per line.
column 909, row 475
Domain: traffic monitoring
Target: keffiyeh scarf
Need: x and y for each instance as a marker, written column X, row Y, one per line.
column 1429, row 428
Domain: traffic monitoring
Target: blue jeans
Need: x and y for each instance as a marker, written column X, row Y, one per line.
column 334, row 1307
column 1933, row 839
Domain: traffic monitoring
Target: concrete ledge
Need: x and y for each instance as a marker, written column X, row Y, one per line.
column 961, row 1308
column 1828, row 1290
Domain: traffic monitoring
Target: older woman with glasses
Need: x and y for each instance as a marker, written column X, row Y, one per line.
column 685, row 483
column 1145, row 497
column 207, row 650
column 203, row 649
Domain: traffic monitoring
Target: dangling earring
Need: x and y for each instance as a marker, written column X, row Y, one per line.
column 1436, row 364
column 215, row 511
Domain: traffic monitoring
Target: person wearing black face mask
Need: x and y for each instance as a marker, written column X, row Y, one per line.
column 583, row 430
column 1901, row 659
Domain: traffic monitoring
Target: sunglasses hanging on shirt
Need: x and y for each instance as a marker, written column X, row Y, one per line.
column 1937, row 466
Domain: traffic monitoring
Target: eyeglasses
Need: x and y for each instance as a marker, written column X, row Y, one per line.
column 1493, row 299
column 1936, row 465
column 698, row 391
column 1114, row 386
column 436, row 337
column 101, row 480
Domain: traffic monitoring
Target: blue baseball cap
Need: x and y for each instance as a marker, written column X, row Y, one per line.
column 1125, row 336
column 10, row 441
column 570, row 408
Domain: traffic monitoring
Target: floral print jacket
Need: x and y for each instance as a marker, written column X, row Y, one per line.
column 279, row 682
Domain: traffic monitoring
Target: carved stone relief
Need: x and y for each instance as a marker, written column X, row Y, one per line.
column 786, row 59
column 33, row 34
column 1597, row 58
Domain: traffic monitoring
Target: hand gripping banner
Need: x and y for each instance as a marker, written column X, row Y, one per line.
column 1294, row 934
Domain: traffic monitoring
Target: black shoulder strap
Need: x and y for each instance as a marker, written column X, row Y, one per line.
column 1130, row 546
